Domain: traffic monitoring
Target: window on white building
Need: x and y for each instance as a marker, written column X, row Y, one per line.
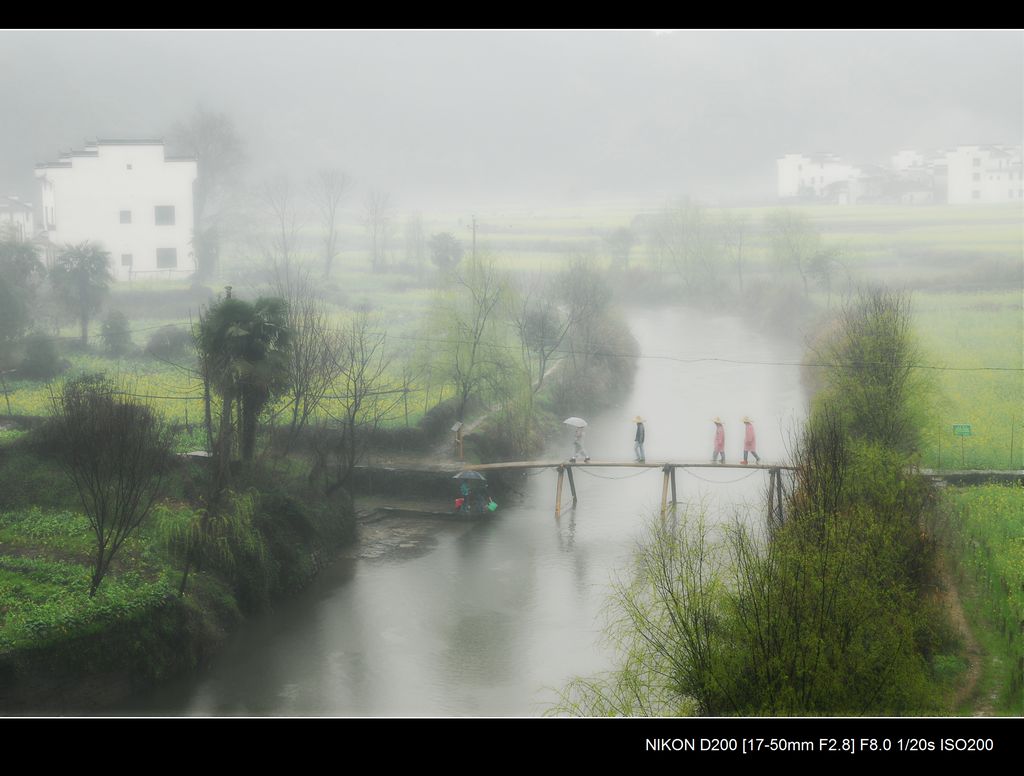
column 975, row 195
column 977, row 176
column 126, row 216
column 977, row 161
column 166, row 258
column 126, row 259
column 165, row 215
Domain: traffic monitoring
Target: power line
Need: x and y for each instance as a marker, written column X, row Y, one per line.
column 699, row 359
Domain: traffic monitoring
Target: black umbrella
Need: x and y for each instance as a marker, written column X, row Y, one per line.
column 469, row 476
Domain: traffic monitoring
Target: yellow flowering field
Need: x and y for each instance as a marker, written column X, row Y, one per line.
column 975, row 331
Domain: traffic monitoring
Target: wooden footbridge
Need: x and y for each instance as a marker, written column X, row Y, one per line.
column 668, row 484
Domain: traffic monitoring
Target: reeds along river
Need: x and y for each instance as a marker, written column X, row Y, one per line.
column 491, row 618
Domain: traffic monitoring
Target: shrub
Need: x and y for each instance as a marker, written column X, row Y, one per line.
column 169, row 342
column 116, row 335
column 41, row 360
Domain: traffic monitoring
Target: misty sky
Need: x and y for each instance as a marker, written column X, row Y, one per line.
column 471, row 117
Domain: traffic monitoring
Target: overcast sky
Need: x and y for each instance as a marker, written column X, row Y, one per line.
column 472, row 117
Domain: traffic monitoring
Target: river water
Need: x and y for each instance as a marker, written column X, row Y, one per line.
column 491, row 618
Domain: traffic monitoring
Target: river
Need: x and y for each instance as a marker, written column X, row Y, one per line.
column 491, row 618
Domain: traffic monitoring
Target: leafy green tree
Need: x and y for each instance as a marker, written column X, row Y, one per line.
column 81, row 279
column 20, row 274
column 445, row 251
column 875, row 378
column 221, row 538
column 41, row 361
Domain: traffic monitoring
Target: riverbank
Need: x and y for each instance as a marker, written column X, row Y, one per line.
column 63, row 651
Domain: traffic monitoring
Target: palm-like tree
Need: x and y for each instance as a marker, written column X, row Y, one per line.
column 80, row 278
column 244, row 347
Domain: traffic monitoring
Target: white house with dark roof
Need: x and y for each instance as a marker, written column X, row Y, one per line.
column 811, row 176
column 128, row 196
column 984, row 174
column 16, row 219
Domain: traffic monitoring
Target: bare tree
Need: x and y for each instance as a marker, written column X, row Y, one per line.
column 215, row 143
column 795, row 242
column 542, row 326
column 367, row 397
column 327, row 189
column 734, row 230
column 377, row 214
column 415, row 242
column 116, row 452
column 620, row 243
column 588, row 298
column 312, row 358
column 684, row 238
column 466, row 318
column 278, row 197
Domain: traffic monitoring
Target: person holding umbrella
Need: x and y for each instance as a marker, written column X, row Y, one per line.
column 466, row 499
column 749, row 440
column 719, row 441
column 638, row 440
column 579, row 424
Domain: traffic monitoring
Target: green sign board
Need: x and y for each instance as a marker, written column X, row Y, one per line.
column 961, row 429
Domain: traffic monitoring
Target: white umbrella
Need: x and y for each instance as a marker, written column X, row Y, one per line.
column 574, row 421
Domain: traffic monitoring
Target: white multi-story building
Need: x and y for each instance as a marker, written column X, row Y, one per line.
column 16, row 219
column 984, row 174
column 808, row 177
column 129, row 197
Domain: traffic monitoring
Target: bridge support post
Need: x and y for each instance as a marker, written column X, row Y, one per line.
column 572, row 485
column 558, row 491
column 775, row 496
column 664, row 489
column 674, row 499
column 779, row 494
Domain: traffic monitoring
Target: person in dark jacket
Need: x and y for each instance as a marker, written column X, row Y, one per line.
column 638, row 440
column 749, row 440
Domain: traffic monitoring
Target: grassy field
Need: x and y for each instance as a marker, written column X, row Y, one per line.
column 988, row 540
column 975, row 331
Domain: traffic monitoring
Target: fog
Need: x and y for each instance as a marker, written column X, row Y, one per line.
column 474, row 117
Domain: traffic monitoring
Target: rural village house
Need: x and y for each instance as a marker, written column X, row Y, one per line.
column 128, row 196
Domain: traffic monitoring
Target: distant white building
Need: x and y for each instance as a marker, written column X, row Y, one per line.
column 984, row 174
column 808, row 177
column 980, row 174
column 16, row 219
column 129, row 197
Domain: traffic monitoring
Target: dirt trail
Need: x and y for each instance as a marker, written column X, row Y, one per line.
column 949, row 595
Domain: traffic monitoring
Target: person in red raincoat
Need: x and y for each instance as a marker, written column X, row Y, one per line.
column 719, row 441
column 749, row 440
